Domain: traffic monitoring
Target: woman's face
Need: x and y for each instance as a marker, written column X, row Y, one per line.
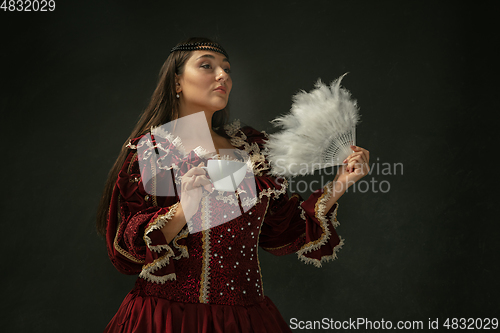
column 205, row 83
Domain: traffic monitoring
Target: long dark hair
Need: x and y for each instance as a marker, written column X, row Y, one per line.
column 163, row 108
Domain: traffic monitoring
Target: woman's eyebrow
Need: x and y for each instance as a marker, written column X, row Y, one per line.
column 211, row 57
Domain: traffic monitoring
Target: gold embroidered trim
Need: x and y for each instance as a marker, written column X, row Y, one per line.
column 205, row 270
column 149, row 269
column 257, row 248
column 232, row 127
column 182, row 248
column 319, row 211
column 333, row 217
column 158, row 223
column 156, row 264
column 130, row 145
column 153, row 173
column 131, row 163
column 249, row 202
column 115, row 242
column 164, row 260
column 276, row 193
column 302, row 211
column 325, row 258
column 257, row 161
column 230, row 198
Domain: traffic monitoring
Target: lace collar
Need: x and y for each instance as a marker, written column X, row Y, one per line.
column 233, row 130
column 255, row 159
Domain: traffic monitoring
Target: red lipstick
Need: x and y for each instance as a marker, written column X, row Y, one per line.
column 221, row 89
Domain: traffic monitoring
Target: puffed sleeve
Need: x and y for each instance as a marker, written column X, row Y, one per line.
column 135, row 242
column 292, row 224
column 305, row 227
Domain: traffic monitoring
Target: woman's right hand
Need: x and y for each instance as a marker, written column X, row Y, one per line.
column 192, row 184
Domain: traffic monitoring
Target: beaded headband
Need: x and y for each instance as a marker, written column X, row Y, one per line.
column 200, row 46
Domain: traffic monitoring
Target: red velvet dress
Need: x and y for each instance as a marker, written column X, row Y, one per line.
column 210, row 281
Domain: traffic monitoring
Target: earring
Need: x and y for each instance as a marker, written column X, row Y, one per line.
column 177, row 96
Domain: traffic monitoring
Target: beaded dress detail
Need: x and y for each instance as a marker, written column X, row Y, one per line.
column 210, row 281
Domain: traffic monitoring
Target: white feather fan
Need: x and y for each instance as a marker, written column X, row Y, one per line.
column 317, row 132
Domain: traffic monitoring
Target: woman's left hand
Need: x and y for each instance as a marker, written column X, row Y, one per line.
column 357, row 166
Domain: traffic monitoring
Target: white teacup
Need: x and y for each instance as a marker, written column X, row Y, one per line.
column 226, row 175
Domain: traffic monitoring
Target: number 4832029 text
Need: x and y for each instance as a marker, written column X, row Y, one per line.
column 28, row 6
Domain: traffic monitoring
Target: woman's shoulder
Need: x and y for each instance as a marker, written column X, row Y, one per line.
column 156, row 138
column 241, row 134
column 132, row 143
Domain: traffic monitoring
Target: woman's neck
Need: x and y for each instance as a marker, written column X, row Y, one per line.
column 188, row 130
column 196, row 130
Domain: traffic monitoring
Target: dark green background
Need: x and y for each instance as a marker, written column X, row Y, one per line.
column 74, row 81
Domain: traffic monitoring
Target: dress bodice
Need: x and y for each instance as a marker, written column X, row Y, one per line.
column 219, row 264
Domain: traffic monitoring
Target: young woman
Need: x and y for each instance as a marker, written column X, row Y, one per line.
column 210, row 280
